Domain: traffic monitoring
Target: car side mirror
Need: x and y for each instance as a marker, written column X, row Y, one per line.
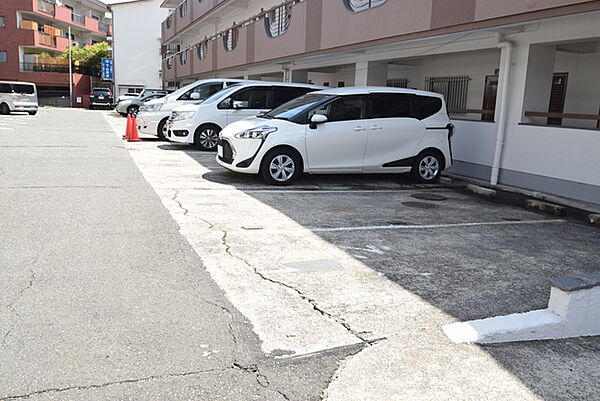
column 317, row 119
column 237, row 104
column 195, row 96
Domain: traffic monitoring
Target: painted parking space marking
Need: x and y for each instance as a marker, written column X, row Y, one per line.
column 408, row 227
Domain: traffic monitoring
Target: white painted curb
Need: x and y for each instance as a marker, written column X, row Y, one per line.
column 573, row 311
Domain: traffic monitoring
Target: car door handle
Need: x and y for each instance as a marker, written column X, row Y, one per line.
column 376, row 128
column 360, row 129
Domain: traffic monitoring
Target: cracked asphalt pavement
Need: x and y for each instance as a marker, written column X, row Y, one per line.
column 102, row 297
column 146, row 271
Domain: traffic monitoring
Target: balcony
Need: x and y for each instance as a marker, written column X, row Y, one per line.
column 185, row 14
column 55, row 68
column 46, row 7
column 204, row 57
column 63, row 14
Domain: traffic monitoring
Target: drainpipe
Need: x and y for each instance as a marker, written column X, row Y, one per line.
column 502, row 114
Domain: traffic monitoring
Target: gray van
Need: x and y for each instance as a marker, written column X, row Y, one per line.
column 18, row 96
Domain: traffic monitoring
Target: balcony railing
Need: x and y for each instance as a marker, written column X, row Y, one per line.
column 47, row 40
column 561, row 116
column 45, row 7
column 103, row 27
column 78, row 19
column 56, row 68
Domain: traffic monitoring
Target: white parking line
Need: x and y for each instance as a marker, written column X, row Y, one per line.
column 405, row 227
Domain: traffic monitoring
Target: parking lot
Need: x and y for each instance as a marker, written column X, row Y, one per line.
column 334, row 261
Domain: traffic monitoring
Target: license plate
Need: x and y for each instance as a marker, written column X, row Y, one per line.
column 101, row 97
column 220, row 151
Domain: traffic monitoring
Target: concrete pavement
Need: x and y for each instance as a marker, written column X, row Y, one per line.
column 102, row 298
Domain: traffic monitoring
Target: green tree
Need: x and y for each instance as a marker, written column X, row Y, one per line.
column 91, row 56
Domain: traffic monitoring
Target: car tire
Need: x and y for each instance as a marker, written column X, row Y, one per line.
column 91, row 107
column 32, row 113
column 4, row 109
column 133, row 110
column 161, row 131
column 281, row 166
column 206, row 137
column 427, row 166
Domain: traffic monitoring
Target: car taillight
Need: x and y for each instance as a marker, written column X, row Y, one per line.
column 110, row 96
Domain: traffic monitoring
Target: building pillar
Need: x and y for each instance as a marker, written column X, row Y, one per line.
column 538, row 83
column 371, row 73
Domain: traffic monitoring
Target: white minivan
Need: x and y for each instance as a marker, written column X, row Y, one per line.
column 200, row 124
column 344, row 130
column 153, row 115
column 18, row 96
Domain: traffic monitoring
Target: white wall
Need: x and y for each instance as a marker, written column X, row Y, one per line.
column 136, row 43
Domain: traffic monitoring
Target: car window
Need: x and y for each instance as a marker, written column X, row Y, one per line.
column 5, row 88
column 204, row 90
column 391, row 105
column 27, row 89
column 248, row 98
column 101, row 92
column 343, row 109
column 426, row 106
column 283, row 95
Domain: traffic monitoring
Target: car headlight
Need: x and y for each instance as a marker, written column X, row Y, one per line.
column 183, row 115
column 151, row 107
column 256, row 133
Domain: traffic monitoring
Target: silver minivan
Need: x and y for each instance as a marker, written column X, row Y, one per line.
column 18, row 96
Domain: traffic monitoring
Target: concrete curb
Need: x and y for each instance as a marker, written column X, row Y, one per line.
column 483, row 191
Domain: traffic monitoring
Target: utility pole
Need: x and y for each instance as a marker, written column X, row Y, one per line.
column 70, row 69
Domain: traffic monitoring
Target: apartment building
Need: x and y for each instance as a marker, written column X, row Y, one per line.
column 521, row 77
column 33, row 33
column 137, row 44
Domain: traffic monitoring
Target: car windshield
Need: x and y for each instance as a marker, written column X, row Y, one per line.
column 297, row 106
column 222, row 93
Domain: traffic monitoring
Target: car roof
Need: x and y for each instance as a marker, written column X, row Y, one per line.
column 101, row 89
column 363, row 90
column 16, row 82
column 245, row 84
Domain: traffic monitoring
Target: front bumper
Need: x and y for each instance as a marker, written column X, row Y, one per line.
column 181, row 131
column 240, row 155
column 122, row 108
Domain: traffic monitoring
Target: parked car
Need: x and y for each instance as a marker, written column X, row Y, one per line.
column 343, row 130
column 200, row 124
column 132, row 105
column 18, row 96
column 152, row 117
column 101, row 97
column 126, row 96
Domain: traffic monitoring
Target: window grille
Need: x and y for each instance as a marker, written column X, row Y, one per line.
column 183, row 57
column 454, row 88
column 277, row 21
column 169, row 63
column 397, row 83
column 169, row 22
column 201, row 50
column 362, row 5
column 230, row 39
column 183, row 9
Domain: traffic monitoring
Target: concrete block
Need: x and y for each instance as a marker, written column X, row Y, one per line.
column 483, row 191
column 445, row 180
column 594, row 219
column 556, row 210
column 572, row 312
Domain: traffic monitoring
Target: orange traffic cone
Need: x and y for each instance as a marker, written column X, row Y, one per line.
column 128, row 129
column 133, row 136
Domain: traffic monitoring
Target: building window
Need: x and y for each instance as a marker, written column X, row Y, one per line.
column 201, row 50
column 169, row 63
column 2, row 24
column 341, row 84
column 362, row 5
column 168, row 22
column 454, row 88
column 230, row 39
column 183, row 57
column 3, row 57
column 277, row 21
column 183, row 9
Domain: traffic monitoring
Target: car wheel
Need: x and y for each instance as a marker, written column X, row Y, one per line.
column 427, row 166
column 207, row 137
column 4, row 109
column 280, row 166
column 91, row 107
column 133, row 110
column 32, row 113
column 161, row 131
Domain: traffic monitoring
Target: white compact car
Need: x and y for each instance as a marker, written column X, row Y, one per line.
column 344, row 130
column 200, row 124
column 153, row 115
column 18, row 96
